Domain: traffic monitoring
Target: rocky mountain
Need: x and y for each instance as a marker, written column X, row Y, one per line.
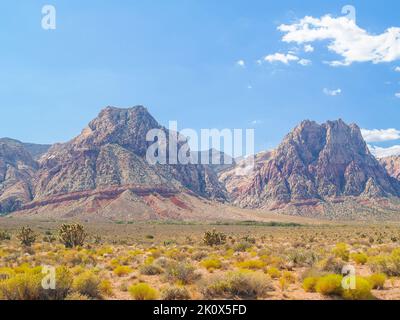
column 392, row 166
column 35, row 150
column 17, row 169
column 106, row 166
column 315, row 169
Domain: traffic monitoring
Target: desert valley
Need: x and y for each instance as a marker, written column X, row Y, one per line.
column 115, row 227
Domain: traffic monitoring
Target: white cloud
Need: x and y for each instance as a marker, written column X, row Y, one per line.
column 241, row 63
column 305, row 62
column 256, row 122
column 308, row 48
column 249, row 86
column 348, row 40
column 380, row 135
column 397, row 69
column 397, row 95
column 280, row 57
column 379, row 152
column 332, row 93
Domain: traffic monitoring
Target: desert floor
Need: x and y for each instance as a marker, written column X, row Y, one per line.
column 172, row 260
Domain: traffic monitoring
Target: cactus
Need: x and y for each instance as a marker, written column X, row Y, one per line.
column 26, row 236
column 72, row 235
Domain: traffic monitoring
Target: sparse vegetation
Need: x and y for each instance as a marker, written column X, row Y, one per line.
column 237, row 262
column 72, row 235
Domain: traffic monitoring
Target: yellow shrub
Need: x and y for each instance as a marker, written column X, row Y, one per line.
column 211, row 264
column 341, row 251
column 122, row 271
column 87, row 284
column 22, row 286
column 251, row 264
column 289, row 277
column 359, row 258
column 377, row 280
column 274, row 273
column 105, row 288
column 329, row 285
column 309, row 284
column 361, row 292
column 143, row 291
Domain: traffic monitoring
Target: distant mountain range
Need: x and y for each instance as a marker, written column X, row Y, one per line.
column 323, row 171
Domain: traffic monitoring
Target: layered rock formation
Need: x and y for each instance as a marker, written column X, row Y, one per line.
column 316, row 164
column 17, row 169
column 107, row 163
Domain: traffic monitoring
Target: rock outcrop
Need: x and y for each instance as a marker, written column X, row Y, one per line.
column 316, row 164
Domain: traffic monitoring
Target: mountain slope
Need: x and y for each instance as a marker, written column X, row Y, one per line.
column 17, row 169
column 392, row 166
column 106, row 166
column 315, row 167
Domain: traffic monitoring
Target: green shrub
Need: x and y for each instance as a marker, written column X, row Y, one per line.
column 214, row 238
column 26, row 236
column 329, row 285
column 143, row 291
column 72, row 235
column 362, row 290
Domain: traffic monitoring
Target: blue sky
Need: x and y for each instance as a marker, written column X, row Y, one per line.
column 180, row 58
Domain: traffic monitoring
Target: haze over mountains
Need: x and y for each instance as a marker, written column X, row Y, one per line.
column 318, row 170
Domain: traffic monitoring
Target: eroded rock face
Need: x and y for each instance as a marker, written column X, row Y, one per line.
column 317, row 163
column 392, row 166
column 17, row 169
column 111, row 152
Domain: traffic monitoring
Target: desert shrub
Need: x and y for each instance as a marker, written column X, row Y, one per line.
column 23, row 286
column 143, row 291
column 63, row 285
column 341, row 251
column 332, row 264
column 309, row 284
column 301, row 258
column 106, row 288
column 122, row 271
column 273, row 272
column 214, row 238
column 4, row 235
column 175, row 293
column 26, row 236
column 377, row 280
column 251, row 264
column 249, row 284
column 211, row 264
column 359, row 258
column 76, row 296
column 182, row 272
column 6, row 273
column 199, row 255
column 72, row 235
column 150, row 269
column 388, row 264
column 362, row 291
column 242, row 246
column 330, row 284
column 49, row 238
column 88, row 284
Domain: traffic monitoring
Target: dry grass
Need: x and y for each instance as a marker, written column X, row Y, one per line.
column 171, row 261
